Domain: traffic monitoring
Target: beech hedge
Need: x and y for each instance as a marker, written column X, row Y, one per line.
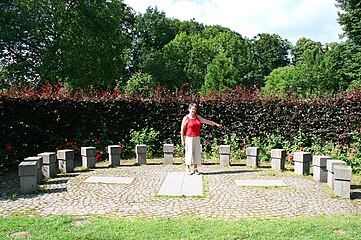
column 32, row 125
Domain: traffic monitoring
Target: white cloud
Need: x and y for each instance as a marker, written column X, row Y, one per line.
column 291, row 19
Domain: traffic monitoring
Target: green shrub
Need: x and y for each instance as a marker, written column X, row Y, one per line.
column 146, row 136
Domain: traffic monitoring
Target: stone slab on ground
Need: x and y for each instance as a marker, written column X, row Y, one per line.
column 260, row 183
column 181, row 184
column 112, row 180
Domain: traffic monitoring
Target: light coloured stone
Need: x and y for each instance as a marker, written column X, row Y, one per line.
column 39, row 161
column 330, row 171
column 28, row 176
column 114, row 150
column 319, row 168
column 88, row 151
column 252, row 151
column 252, row 161
column 342, row 180
column 65, row 154
column 88, row 161
column 302, row 161
column 225, row 149
column 114, row 160
column 141, row 148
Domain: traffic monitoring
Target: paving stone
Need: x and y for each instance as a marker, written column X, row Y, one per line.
column 261, row 183
column 68, row 194
column 125, row 180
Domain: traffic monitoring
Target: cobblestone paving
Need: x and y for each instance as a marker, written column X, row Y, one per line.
column 69, row 194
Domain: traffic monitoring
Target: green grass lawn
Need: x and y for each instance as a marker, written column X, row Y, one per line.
column 66, row 227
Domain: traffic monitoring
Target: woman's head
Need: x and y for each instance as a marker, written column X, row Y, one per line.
column 192, row 108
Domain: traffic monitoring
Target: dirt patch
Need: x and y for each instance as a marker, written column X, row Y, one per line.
column 340, row 231
column 80, row 223
column 23, row 234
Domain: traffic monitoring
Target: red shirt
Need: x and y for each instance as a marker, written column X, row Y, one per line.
column 193, row 128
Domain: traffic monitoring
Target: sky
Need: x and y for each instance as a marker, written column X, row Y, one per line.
column 290, row 19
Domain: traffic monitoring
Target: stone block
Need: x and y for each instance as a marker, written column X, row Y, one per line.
column 28, row 184
column 278, row 153
column 278, row 163
column 66, row 166
column 39, row 161
column 302, row 168
column 50, row 164
column 168, row 148
column 168, row 158
column 114, row 159
column 224, row 159
column 320, row 161
column 224, row 149
column 114, row 150
column 252, row 161
column 319, row 168
column 342, row 180
column 48, row 157
column 65, row 154
column 302, row 157
column 343, row 172
column 28, row 176
column 88, row 161
column 28, row 168
column 330, row 165
column 252, row 151
column 141, row 158
column 141, row 148
column 88, row 151
column 49, row 170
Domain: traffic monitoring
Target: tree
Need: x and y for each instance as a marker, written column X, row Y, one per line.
column 350, row 19
column 270, row 52
column 83, row 43
column 305, row 44
column 221, row 74
column 153, row 30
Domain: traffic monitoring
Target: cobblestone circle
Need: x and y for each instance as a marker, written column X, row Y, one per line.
column 223, row 199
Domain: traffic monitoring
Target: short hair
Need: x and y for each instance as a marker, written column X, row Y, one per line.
column 192, row 105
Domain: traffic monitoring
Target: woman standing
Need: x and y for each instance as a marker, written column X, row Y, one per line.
column 190, row 134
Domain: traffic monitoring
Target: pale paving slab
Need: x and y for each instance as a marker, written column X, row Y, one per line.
column 113, row 180
column 261, row 183
column 181, row 184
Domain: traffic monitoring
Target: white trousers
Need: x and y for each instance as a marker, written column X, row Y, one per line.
column 192, row 150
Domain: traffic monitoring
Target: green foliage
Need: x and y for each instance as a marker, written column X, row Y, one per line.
column 140, row 83
column 149, row 137
column 103, row 227
column 238, row 150
column 83, row 44
column 350, row 19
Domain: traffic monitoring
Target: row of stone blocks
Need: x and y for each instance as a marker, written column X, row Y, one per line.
column 335, row 172
column 33, row 169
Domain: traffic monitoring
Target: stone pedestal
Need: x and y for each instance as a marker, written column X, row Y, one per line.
column 278, row 157
column 252, row 154
column 49, row 163
column 224, row 155
column 141, row 153
column 28, row 172
column 319, row 168
column 342, row 182
column 39, row 161
column 88, row 157
column 66, row 160
column 330, row 170
column 114, row 152
column 302, row 161
column 168, row 150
